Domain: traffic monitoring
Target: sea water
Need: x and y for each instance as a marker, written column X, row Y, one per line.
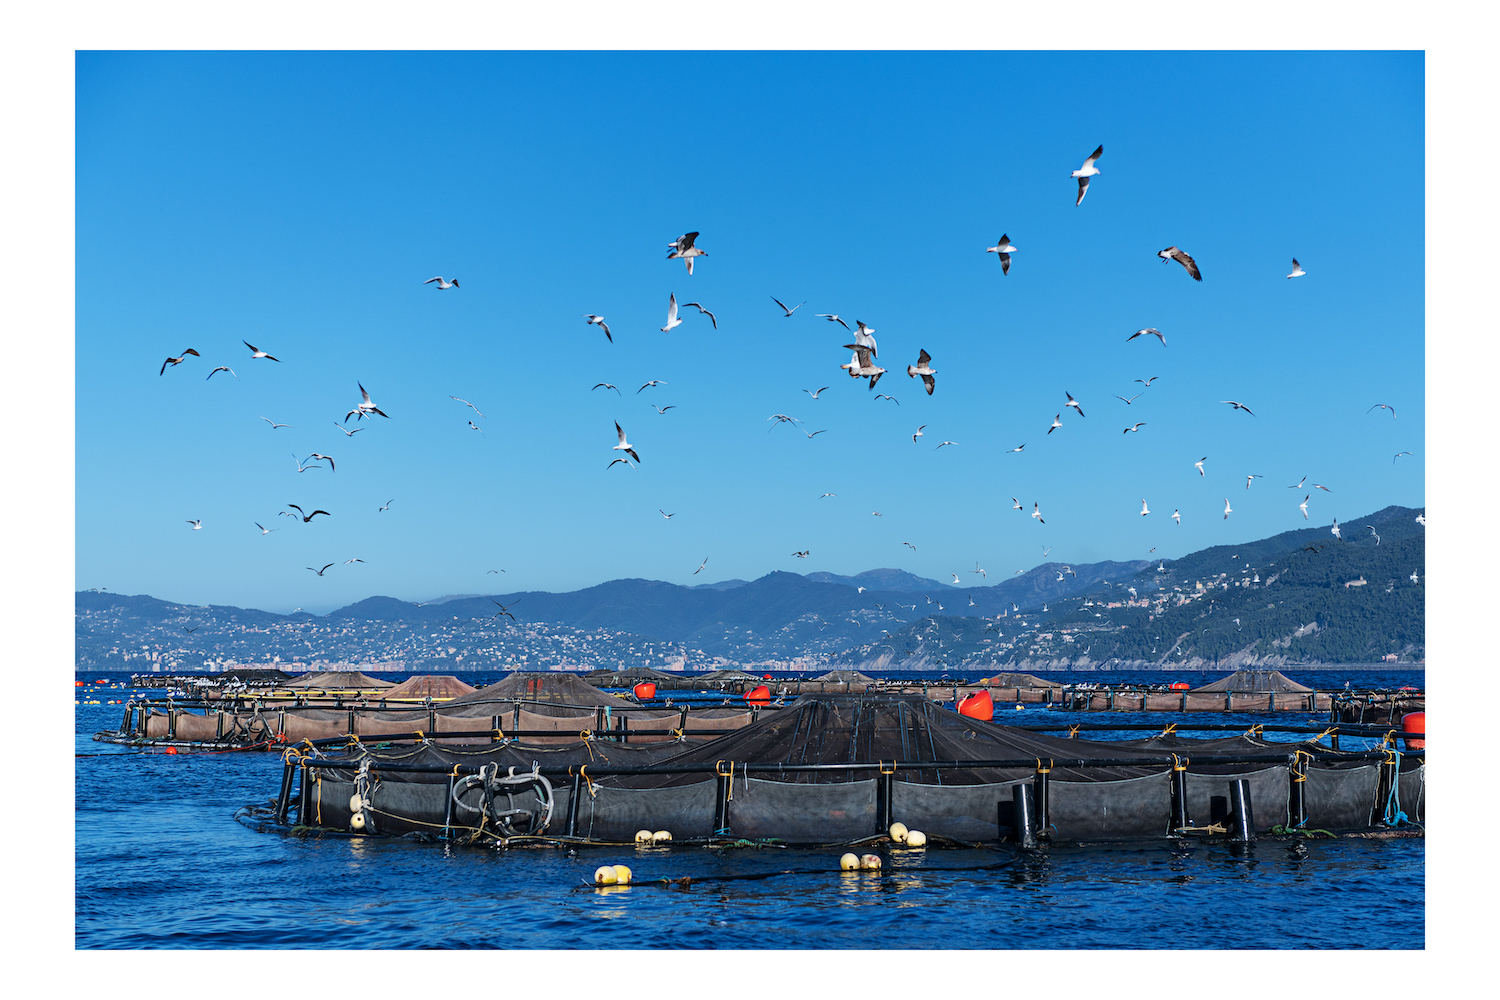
column 161, row 862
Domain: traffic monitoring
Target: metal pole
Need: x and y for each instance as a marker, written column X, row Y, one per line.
column 1243, row 831
column 1180, row 818
column 1040, row 788
column 1025, row 814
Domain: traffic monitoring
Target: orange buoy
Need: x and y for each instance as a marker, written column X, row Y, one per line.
column 171, row 750
column 1414, row 722
column 765, row 677
column 758, row 695
column 645, row 690
column 78, row 684
column 1178, row 686
column 978, row 705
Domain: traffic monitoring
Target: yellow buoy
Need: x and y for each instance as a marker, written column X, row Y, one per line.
column 622, row 875
column 849, row 862
column 357, row 821
column 643, row 836
column 661, row 837
column 870, row 861
column 916, row 838
column 898, row 832
column 356, row 803
column 605, row 875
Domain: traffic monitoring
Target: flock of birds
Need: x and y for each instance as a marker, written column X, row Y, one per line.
column 863, row 363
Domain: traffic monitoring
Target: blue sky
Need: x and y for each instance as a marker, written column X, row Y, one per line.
column 298, row 201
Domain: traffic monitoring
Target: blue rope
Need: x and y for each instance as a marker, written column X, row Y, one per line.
column 1393, row 814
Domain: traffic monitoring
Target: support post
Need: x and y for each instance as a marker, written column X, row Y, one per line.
column 283, row 800
column 448, row 809
column 1040, row 786
column 1243, row 828
column 573, row 804
column 1298, row 797
column 1025, row 814
column 1180, row 818
column 883, row 817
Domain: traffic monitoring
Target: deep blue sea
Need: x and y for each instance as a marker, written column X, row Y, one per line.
column 161, row 863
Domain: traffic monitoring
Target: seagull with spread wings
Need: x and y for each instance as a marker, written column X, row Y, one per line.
column 598, row 321
column 179, row 360
column 1238, row 406
column 221, row 368
column 468, row 404
column 1297, row 271
column 672, row 319
column 1072, row 402
column 1004, row 249
column 683, row 247
column 924, row 368
column 793, row 309
column 305, row 516
column 711, row 318
column 834, row 318
column 624, row 445
column 442, row 283
column 256, row 352
column 365, row 408
column 320, row 572
column 1174, row 253
column 1149, row 331
column 1086, row 171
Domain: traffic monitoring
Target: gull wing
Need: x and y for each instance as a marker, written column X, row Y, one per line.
column 619, row 431
column 1004, row 262
column 1083, row 189
column 1094, row 156
column 1187, row 262
column 930, row 382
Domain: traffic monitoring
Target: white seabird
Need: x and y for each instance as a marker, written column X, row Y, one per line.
column 793, row 309
column 711, row 318
column 1056, row 423
column 599, row 321
column 1227, row 509
column 834, row 318
column 1177, row 517
column 1086, row 171
column 256, row 352
column 179, row 360
column 672, row 319
column 624, row 445
column 924, row 368
column 1149, row 331
column 1004, row 249
column 1297, row 271
column 441, row 283
column 1144, row 510
column 1072, row 402
column 683, row 247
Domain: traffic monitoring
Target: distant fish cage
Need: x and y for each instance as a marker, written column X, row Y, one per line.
column 837, row 770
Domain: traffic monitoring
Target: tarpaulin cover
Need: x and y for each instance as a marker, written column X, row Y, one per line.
column 1255, row 680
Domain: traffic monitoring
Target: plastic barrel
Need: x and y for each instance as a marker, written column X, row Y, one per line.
column 978, row 705
column 1414, row 722
column 645, row 690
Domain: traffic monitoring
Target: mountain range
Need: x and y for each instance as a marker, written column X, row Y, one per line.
column 1354, row 592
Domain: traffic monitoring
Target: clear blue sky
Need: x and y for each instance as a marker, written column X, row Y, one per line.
column 298, row 201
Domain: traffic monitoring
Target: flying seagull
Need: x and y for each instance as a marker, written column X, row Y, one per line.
column 655, row 381
column 1297, row 271
column 1298, row 485
column 705, row 312
column 1177, row 517
column 197, row 525
column 624, row 445
column 387, row 504
column 1016, row 449
column 1149, row 331
column 946, row 443
column 1086, row 171
column 891, row 398
column 1374, row 532
column 1398, row 455
column 504, row 609
column 981, row 572
column 924, row 368
column 320, row 572
column 221, row 368
column 264, row 530
column 803, row 554
column 683, row 247
column 304, row 468
column 700, row 566
column 179, row 360
column 1303, row 506
column 1238, row 406
column 256, row 352
column 814, row 395
column 606, row 385
column 441, row 283
column 1016, row 504
column 1072, row 402
column 822, row 495
column 1227, row 509
column 1172, row 253
column 672, row 319
column 834, row 318
column 1036, row 512
column 1336, row 533
column 1132, row 399
column 307, row 517
column 956, row 579
column 1004, row 250
column 665, row 514
column 468, row 404
column 1147, row 381
column 1320, row 486
column 1056, row 423
column 663, row 409
column 599, row 321
column 365, row 408
column 917, row 434
column 1136, row 428
column 1382, row 406
column 324, row 458
column 1144, row 511
column 347, row 432
column 910, row 546
column 348, row 561
column 1251, row 479
column 861, row 365
column 793, row 309
column 273, row 423
column 489, row 571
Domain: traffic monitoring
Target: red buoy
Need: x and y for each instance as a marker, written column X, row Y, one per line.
column 1414, row 722
column 978, row 705
column 1178, row 686
column 645, row 690
column 758, row 695
column 766, row 676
